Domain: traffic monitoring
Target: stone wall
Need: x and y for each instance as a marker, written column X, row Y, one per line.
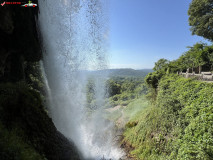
column 204, row 76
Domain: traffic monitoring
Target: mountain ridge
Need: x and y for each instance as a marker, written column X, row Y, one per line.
column 122, row 72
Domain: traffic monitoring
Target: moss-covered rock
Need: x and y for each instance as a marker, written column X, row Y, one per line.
column 22, row 108
column 26, row 131
column 12, row 147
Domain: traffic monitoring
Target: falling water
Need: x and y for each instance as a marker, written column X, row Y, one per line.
column 74, row 36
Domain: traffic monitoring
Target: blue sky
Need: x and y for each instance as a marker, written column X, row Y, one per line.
column 143, row 31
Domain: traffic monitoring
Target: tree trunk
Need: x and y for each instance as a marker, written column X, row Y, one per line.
column 200, row 68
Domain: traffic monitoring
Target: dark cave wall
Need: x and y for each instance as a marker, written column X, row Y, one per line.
column 22, row 112
column 18, row 41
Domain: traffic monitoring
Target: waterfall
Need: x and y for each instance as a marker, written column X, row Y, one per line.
column 74, row 37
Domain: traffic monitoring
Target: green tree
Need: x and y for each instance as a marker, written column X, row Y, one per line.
column 197, row 55
column 161, row 64
column 183, row 62
column 174, row 66
column 152, row 79
column 114, row 88
column 209, row 56
column 200, row 18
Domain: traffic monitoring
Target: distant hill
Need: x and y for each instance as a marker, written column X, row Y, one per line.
column 126, row 72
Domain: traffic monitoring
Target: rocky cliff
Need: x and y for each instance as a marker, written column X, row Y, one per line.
column 26, row 131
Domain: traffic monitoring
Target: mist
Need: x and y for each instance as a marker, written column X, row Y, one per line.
column 74, row 37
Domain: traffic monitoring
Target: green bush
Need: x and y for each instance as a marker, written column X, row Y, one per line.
column 28, row 130
column 178, row 125
column 12, row 147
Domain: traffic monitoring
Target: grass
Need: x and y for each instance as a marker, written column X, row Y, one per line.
column 134, row 108
column 131, row 111
column 114, row 116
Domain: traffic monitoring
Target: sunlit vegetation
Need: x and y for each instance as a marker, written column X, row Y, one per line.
column 167, row 116
column 198, row 58
column 200, row 18
column 178, row 125
column 119, row 91
column 124, row 98
column 123, row 90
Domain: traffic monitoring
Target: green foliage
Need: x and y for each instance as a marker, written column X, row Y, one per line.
column 194, row 57
column 119, row 91
column 120, row 115
column 209, row 56
column 12, row 146
column 200, row 18
column 14, row 143
column 114, row 87
column 161, row 64
column 34, row 77
column 162, row 67
column 129, row 89
column 114, row 116
column 178, row 125
column 152, row 79
column 135, row 107
column 23, row 117
column 197, row 56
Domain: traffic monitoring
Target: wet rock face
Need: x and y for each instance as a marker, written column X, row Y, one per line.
column 18, row 41
column 21, row 107
column 7, row 25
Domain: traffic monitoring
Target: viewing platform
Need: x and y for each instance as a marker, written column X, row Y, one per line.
column 204, row 76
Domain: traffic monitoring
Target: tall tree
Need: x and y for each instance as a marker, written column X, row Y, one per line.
column 160, row 64
column 209, row 56
column 197, row 55
column 201, row 18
